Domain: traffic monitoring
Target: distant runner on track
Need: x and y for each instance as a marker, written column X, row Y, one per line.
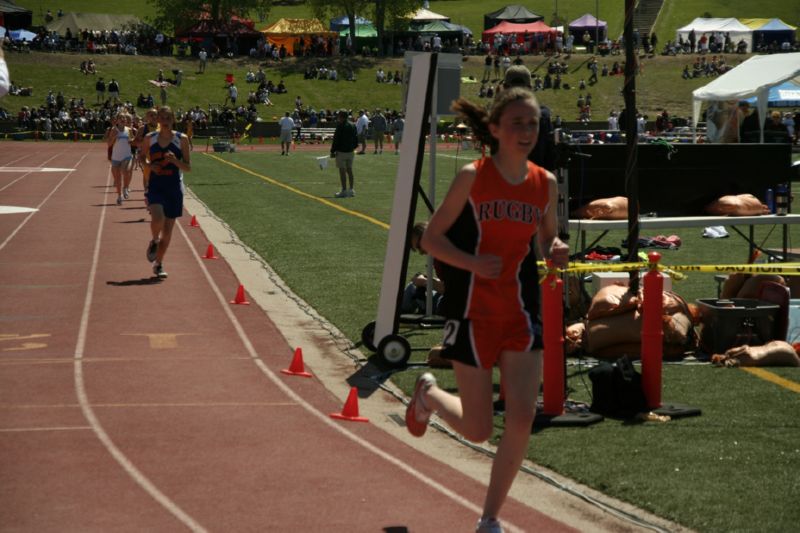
column 168, row 158
column 119, row 139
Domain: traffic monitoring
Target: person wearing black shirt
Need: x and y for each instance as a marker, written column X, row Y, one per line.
column 750, row 127
column 100, row 87
column 345, row 141
column 544, row 153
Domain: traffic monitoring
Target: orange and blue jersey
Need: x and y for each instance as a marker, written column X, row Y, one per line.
column 165, row 182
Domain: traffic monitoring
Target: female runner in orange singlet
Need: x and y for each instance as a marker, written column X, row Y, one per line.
column 485, row 232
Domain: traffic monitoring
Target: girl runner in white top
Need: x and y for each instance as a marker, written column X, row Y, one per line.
column 119, row 138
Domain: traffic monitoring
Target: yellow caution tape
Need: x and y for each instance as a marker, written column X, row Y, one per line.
column 675, row 271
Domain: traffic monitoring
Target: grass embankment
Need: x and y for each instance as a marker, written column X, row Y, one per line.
column 659, row 87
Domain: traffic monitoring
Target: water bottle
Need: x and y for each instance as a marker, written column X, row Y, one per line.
column 781, row 200
column 770, row 200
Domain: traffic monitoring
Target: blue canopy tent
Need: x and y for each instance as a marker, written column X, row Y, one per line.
column 786, row 94
column 343, row 23
column 775, row 31
column 21, row 35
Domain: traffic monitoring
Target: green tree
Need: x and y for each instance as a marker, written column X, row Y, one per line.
column 175, row 14
column 386, row 14
column 325, row 9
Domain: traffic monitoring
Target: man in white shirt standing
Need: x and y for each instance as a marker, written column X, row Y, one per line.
column 203, row 56
column 233, row 94
column 613, row 121
column 159, row 42
column 287, row 125
column 362, row 124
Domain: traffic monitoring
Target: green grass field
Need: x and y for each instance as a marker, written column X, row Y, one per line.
column 732, row 469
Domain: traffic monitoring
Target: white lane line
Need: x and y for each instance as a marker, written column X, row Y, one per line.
column 54, row 428
column 13, row 209
column 31, row 171
column 27, row 218
column 86, row 407
column 322, row 417
column 35, row 169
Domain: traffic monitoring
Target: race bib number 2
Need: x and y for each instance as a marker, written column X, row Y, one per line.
column 450, row 332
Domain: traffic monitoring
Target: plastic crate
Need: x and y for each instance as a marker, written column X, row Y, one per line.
column 734, row 322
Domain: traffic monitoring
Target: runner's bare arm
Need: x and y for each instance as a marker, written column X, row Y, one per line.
column 552, row 247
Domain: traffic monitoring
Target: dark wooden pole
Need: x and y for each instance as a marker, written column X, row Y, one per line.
column 632, row 139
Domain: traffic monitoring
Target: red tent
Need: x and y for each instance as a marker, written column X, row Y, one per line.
column 520, row 29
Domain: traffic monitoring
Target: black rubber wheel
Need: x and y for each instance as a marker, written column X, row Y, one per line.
column 368, row 336
column 395, row 350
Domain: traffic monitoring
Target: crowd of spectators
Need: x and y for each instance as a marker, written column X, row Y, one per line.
column 388, row 77
column 74, row 114
column 138, row 39
column 706, row 67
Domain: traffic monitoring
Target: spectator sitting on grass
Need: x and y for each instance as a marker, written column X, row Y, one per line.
column 415, row 294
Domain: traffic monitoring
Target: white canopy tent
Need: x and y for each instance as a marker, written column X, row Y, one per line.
column 754, row 77
column 737, row 30
column 426, row 15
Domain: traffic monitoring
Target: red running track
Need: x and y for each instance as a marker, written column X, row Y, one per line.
column 128, row 404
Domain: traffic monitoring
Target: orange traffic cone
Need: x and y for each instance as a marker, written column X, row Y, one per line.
column 210, row 253
column 194, row 223
column 297, row 368
column 240, row 298
column 350, row 410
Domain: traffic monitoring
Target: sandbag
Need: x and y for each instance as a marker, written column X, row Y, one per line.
column 611, row 330
column 674, row 303
column 774, row 353
column 732, row 285
column 615, row 208
column 676, row 328
column 737, row 205
column 626, row 328
column 612, row 300
column 747, row 285
column 616, row 299
column 752, row 286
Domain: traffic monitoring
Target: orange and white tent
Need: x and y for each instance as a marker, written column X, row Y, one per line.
column 288, row 32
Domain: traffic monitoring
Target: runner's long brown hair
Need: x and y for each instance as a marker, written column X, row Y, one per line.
column 478, row 118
